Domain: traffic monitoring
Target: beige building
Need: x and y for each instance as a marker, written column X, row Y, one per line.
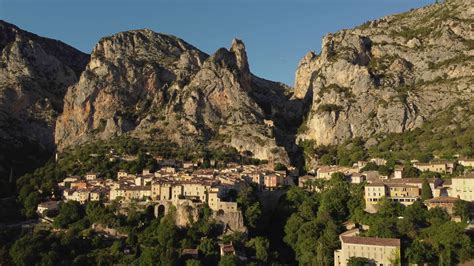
column 121, row 174
column 446, row 203
column 398, row 172
column 326, row 172
column 405, row 194
column 47, row 206
column 127, row 193
column 91, row 176
column 462, row 187
column 467, row 162
column 416, row 182
column 174, row 190
column 258, row 178
column 357, row 178
column 83, row 195
column 216, row 204
column 379, row 161
column 436, row 166
column 380, row 251
column 374, row 192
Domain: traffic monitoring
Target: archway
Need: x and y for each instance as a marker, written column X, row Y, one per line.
column 160, row 210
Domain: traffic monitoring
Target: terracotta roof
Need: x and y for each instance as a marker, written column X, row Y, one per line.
column 376, row 184
column 401, row 185
column 372, row 241
column 228, row 248
column 49, row 204
column 469, row 176
column 442, row 199
column 409, row 180
column 441, row 162
column 190, row 251
column 306, row 177
column 422, row 164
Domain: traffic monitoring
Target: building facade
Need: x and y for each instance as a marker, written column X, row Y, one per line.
column 379, row 251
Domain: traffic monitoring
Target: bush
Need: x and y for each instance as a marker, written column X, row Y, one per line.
column 329, row 108
column 280, row 167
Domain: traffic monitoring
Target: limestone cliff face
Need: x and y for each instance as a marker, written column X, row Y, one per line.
column 148, row 84
column 34, row 75
column 388, row 75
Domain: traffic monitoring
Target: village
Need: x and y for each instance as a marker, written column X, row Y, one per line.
column 397, row 188
column 180, row 184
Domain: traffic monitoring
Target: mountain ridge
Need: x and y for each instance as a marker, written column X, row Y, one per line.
column 34, row 75
column 388, row 75
column 197, row 97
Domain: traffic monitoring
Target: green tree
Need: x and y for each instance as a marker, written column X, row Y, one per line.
column 462, row 208
column 358, row 261
column 449, row 242
column 209, row 248
column 424, row 157
column 69, row 212
column 26, row 250
column 327, row 159
column 50, row 258
column 229, row 260
column 193, row 262
column 30, row 203
column 280, row 167
column 410, row 171
column 370, row 166
column 252, row 214
column 426, row 192
column 437, row 216
column 418, row 253
column 261, row 246
column 149, row 257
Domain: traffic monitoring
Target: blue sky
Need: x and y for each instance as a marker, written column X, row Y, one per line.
column 277, row 33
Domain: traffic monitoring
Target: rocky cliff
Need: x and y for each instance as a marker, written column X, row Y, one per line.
column 388, row 75
column 34, row 75
column 150, row 85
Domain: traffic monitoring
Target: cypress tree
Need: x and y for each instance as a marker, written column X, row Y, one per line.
column 426, row 192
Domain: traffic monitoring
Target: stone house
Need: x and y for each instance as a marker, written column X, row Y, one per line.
column 462, row 187
column 47, row 206
column 446, row 203
column 467, row 162
column 91, row 176
column 272, row 181
column 379, row 251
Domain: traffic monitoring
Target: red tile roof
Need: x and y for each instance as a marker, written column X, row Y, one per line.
column 442, row 199
column 372, row 241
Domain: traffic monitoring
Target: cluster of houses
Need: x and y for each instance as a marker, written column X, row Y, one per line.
column 398, row 188
column 173, row 185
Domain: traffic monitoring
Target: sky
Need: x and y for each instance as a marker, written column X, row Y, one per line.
column 277, row 33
